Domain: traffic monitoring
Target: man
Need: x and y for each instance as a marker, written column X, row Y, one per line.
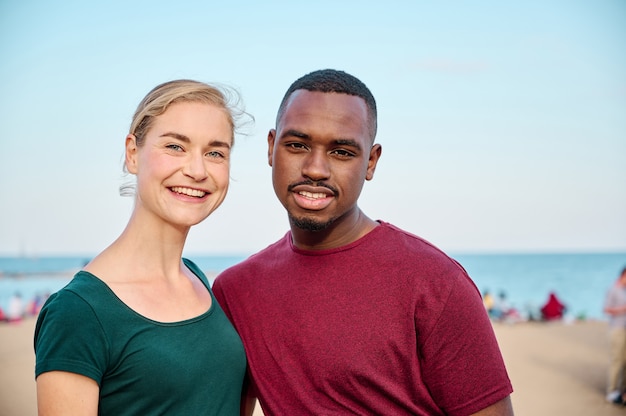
column 615, row 307
column 346, row 315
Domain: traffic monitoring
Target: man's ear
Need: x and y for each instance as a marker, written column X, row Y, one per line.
column 375, row 153
column 271, row 136
column 130, row 159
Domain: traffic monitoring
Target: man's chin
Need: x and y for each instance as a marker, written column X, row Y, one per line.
column 309, row 224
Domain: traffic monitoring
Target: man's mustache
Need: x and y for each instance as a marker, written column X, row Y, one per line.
column 313, row 183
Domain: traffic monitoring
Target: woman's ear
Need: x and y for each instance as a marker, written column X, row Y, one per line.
column 131, row 154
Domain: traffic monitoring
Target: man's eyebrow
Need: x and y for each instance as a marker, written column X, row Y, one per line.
column 304, row 136
column 295, row 133
column 185, row 139
column 348, row 142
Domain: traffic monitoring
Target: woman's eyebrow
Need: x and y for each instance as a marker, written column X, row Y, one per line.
column 185, row 139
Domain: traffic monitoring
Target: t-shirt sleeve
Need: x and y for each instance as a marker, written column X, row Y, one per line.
column 69, row 337
column 197, row 271
column 219, row 294
column 463, row 366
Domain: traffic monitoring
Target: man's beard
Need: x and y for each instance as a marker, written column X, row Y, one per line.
column 309, row 224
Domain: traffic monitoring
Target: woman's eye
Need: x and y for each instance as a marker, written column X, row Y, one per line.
column 216, row 154
column 174, row 147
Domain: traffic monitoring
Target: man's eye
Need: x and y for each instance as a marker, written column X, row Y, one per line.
column 296, row 145
column 342, row 152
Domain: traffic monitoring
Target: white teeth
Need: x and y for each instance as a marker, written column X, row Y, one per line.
column 312, row 195
column 188, row 191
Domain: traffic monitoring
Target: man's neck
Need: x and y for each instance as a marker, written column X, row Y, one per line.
column 340, row 233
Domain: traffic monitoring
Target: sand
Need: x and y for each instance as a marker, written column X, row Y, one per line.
column 556, row 368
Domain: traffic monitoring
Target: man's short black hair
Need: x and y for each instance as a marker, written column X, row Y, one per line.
column 331, row 80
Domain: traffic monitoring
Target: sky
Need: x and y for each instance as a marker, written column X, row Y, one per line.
column 503, row 124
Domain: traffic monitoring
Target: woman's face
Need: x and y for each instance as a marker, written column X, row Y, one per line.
column 183, row 166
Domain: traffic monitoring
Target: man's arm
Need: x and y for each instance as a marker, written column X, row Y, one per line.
column 615, row 310
column 248, row 399
column 247, row 406
column 501, row 408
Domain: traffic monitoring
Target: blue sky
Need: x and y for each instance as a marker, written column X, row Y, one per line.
column 503, row 124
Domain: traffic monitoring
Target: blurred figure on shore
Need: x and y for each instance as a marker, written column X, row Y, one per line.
column 500, row 307
column 615, row 308
column 502, row 311
column 36, row 303
column 488, row 301
column 15, row 311
column 553, row 309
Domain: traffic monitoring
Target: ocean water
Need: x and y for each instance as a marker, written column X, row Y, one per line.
column 579, row 279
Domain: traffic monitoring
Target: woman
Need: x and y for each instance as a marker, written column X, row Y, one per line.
column 138, row 331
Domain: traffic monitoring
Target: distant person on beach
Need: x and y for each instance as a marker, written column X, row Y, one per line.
column 138, row 331
column 344, row 314
column 615, row 308
column 488, row 302
column 500, row 307
column 502, row 311
column 553, row 309
column 16, row 309
column 35, row 304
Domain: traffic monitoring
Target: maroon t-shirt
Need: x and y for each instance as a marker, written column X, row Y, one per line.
column 386, row 325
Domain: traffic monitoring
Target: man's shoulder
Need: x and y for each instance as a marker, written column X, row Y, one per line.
column 410, row 239
column 396, row 230
column 416, row 250
column 256, row 262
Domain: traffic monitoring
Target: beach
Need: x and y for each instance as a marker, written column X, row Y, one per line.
column 556, row 368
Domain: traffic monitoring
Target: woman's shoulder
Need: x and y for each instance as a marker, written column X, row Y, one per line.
column 76, row 294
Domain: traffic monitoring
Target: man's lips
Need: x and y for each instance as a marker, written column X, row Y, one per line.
column 311, row 197
column 312, row 190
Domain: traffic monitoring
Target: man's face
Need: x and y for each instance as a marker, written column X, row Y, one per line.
column 321, row 153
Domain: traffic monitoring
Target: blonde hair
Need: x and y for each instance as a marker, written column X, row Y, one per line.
column 161, row 97
column 157, row 101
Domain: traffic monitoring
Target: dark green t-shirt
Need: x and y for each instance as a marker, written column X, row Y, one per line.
column 143, row 367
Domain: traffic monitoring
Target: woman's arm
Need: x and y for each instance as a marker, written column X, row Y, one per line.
column 63, row 393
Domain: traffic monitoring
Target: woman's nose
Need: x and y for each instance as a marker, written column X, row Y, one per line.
column 195, row 168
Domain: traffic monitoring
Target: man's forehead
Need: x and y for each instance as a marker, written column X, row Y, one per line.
column 304, row 101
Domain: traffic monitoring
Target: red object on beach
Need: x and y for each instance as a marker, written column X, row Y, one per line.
column 553, row 309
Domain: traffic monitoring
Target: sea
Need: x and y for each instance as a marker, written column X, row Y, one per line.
column 580, row 280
